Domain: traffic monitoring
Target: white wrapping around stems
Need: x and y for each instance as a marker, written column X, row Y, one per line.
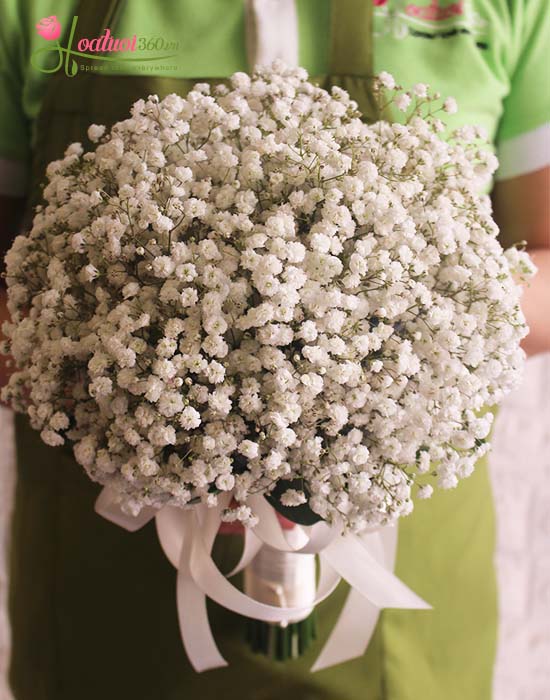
column 187, row 537
column 284, row 568
column 282, row 578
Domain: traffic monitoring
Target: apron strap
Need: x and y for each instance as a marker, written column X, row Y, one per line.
column 351, row 38
column 351, row 54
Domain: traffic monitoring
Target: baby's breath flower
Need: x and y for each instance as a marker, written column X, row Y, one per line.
column 402, row 102
column 95, row 132
column 387, row 80
column 420, row 90
column 295, row 294
column 292, row 497
column 450, row 106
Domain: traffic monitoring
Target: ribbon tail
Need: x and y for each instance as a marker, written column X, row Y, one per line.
column 196, row 633
column 352, row 633
column 351, row 559
column 176, row 531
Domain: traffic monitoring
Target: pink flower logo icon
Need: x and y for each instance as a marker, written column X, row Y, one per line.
column 49, row 28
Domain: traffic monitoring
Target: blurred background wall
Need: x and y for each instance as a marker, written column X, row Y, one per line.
column 521, row 478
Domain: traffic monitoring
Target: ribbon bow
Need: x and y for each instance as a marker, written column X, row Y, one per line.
column 187, row 537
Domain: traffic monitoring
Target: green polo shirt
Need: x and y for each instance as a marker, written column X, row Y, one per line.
column 491, row 55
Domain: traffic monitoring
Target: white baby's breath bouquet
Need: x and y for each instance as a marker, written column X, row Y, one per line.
column 249, row 290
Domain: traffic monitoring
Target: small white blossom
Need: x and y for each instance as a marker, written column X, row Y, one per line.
column 386, row 79
column 420, row 90
column 450, row 105
column 425, row 491
column 189, row 418
column 95, row 132
column 292, row 497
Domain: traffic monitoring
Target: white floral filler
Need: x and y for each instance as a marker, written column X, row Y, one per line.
column 249, row 284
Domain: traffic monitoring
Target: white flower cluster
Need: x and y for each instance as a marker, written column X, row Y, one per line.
column 249, row 284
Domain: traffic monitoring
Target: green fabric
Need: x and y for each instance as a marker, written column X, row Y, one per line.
column 93, row 607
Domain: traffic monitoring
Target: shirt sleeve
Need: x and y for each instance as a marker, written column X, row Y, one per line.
column 14, row 126
column 523, row 139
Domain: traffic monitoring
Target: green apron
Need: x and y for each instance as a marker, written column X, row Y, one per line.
column 93, row 607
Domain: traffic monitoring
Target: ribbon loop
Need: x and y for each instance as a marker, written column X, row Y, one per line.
column 107, row 505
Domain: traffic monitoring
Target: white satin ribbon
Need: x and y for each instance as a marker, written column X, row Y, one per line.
column 252, row 546
column 187, row 538
column 107, row 505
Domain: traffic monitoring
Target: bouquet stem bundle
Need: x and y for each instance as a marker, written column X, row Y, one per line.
column 281, row 643
column 286, row 579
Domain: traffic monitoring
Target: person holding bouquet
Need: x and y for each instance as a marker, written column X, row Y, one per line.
column 91, row 606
